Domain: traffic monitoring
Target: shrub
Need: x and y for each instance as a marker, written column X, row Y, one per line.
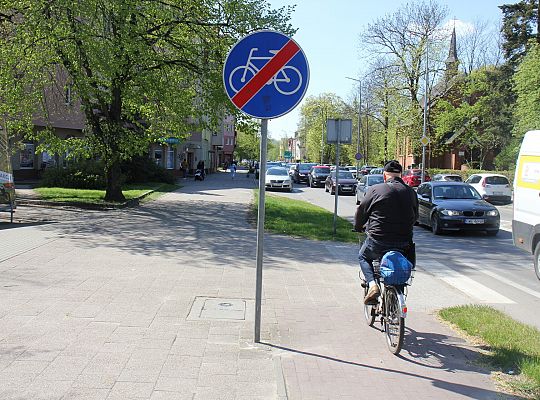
column 85, row 174
column 142, row 169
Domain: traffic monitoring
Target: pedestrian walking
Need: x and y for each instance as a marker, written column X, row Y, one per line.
column 233, row 170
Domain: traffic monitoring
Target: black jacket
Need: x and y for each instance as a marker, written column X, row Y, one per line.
column 388, row 211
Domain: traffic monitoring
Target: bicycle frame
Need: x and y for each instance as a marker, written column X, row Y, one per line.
column 250, row 64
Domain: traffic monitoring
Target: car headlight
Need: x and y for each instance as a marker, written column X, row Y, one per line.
column 450, row 213
column 492, row 213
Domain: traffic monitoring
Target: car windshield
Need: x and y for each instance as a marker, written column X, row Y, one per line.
column 343, row 175
column 305, row 167
column 277, row 171
column 496, row 180
column 375, row 180
column 322, row 170
column 455, row 192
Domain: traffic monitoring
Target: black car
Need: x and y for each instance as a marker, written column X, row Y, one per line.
column 301, row 172
column 317, row 175
column 346, row 181
column 453, row 206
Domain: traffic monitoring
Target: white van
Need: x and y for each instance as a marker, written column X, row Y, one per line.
column 526, row 221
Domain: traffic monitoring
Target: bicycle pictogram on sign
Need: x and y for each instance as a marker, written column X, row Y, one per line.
column 266, row 74
column 285, row 83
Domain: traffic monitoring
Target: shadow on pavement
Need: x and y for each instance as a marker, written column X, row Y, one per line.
column 443, row 352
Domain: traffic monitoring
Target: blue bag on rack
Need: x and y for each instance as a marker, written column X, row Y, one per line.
column 395, row 268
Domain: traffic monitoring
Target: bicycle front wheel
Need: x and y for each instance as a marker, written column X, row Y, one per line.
column 288, row 80
column 394, row 323
column 369, row 310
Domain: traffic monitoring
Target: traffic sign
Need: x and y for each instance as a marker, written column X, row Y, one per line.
column 358, row 156
column 424, row 140
column 266, row 74
column 341, row 128
column 287, row 154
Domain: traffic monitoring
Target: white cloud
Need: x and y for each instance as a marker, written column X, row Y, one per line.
column 462, row 28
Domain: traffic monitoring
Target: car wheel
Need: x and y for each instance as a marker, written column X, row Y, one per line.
column 537, row 260
column 492, row 233
column 435, row 225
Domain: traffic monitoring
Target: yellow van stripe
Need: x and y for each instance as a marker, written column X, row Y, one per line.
column 528, row 175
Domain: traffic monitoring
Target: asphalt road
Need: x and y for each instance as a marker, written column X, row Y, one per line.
column 489, row 270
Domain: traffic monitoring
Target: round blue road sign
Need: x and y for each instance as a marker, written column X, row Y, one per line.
column 266, row 74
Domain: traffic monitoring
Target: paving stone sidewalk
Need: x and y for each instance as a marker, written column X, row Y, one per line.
column 156, row 302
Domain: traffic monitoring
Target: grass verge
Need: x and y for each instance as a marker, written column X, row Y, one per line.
column 98, row 196
column 303, row 219
column 514, row 346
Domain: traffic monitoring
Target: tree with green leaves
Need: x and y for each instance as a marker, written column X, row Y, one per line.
column 247, row 141
column 527, row 89
column 520, row 24
column 142, row 69
column 479, row 110
column 312, row 127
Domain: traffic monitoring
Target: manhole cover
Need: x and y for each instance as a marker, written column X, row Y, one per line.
column 214, row 308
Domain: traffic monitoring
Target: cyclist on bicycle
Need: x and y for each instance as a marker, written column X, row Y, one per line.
column 388, row 213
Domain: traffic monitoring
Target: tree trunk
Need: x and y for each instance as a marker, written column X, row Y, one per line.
column 114, row 183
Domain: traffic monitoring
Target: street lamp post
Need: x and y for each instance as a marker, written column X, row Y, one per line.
column 423, row 175
column 359, row 121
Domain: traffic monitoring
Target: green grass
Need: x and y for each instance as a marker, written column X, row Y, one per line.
column 514, row 345
column 98, row 196
column 303, row 219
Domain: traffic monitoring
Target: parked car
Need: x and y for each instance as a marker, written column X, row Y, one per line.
column 455, row 206
column 413, row 177
column 447, row 177
column 492, row 187
column 317, row 175
column 301, row 172
column 278, row 178
column 376, row 171
column 364, row 169
column 347, row 183
column 526, row 218
column 364, row 183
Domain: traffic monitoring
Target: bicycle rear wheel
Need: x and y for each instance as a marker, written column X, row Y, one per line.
column 394, row 323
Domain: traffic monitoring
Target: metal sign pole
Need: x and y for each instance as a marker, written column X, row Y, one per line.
column 260, row 231
column 336, row 192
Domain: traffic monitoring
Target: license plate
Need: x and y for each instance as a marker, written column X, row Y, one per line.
column 497, row 193
column 346, row 188
column 474, row 221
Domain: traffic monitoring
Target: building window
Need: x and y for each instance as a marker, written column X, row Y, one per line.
column 67, row 95
column 170, row 157
column 158, row 155
column 27, row 156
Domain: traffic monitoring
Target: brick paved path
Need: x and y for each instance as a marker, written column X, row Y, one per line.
column 104, row 306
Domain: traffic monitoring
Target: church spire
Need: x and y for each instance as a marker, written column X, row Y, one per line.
column 452, row 60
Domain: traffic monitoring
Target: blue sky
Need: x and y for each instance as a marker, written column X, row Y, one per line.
column 328, row 32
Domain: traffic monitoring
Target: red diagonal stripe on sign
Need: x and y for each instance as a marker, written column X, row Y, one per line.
column 266, row 73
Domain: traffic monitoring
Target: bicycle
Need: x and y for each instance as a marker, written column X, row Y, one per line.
column 281, row 80
column 390, row 308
